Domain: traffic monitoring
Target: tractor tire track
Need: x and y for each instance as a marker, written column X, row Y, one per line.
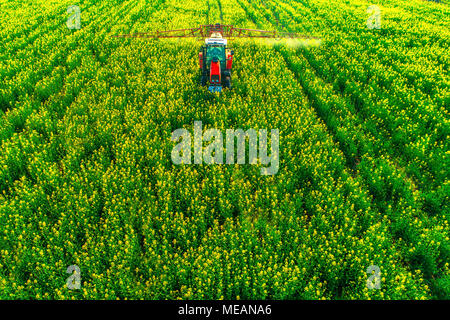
column 250, row 15
column 26, row 47
column 275, row 16
column 29, row 46
column 425, row 178
column 56, row 99
column 220, row 10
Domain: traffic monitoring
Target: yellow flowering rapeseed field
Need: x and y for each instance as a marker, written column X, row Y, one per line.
column 87, row 180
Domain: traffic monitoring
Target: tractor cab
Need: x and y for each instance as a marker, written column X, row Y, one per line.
column 215, row 52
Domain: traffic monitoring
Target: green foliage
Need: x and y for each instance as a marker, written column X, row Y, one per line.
column 86, row 176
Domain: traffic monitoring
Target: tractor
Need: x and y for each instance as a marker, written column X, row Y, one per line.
column 215, row 58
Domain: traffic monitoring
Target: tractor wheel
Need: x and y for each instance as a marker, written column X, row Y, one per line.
column 227, row 82
column 204, row 78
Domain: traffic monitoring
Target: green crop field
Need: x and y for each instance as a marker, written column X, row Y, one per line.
column 358, row 207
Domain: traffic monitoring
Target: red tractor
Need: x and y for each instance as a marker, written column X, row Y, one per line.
column 215, row 58
column 215, row 61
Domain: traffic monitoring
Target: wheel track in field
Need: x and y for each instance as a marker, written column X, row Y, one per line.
column 396, row 153
column 396, row 169
column 328, row 26
column 252, row 18
column 220, row 10
column 349, row 161
column 207, row 13
column 293, row 77
column 215, row 14
column 38, row 106
column 308, row 56
column 404, row 167
column 123, row 43
column 56, row 42
column 57, row 118
column 275, row 16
